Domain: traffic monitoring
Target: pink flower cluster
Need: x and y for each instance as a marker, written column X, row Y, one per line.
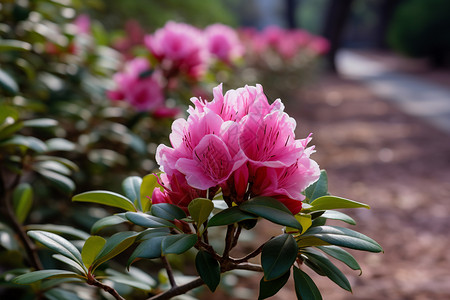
column 183, row 48
column 181, row 52
column 143, row 91
column 286, row 42
column 223, row 43
column 237, row 142
column 180, row 48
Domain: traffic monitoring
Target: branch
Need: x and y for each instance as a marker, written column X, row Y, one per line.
column 236, row 237
column 228, row 241
column 208, row 248
column 30, row 247
column 169, row 271
column 178, row 290
column 248, row 266
column 92, row 281
column 250, row 255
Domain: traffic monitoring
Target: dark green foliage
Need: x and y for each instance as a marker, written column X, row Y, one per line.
column 420, row 28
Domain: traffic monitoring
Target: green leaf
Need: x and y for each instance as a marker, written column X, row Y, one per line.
column 200, row 208
column 149, row 183
column 91, row 249
column 330, row 270
column 151, row 233
column 60, row 294
column 272, row 210
column 106, row 198
column 14, row 45
column 278, row 255
column 108, row 221
column 208, row 269
column 150, row 248
column 59, row 144
column 61, row 160
column 131, row 282
column 8, row 116
column 114, row 246
column 63, row 183
column 333, row 202
column 229, row 216
column 310, row 241
column 72, row 263
column 29, row 278
column 51, row 283
column 27, row 142
column 344, row 237
column 318, row 188
column 167, row 211
column 44, row 122
column 22, row 200
column 58, row 244
column 305, row 288
column 141, row 279
column 60, row 229
column 269, row 288
column 8, row 84
column 304, row 220
column 342, row 255
column 178, row 243
column 132, row 187
column 8, row 238
column 147, row 221
column 337, row 215
column 52, row 166
column 7, row 129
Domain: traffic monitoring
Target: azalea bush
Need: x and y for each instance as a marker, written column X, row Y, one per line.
column 231, row 163
column 282, row 59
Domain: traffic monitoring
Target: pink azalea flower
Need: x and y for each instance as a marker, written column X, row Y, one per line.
column 273, row 35
column 180, row 48
column 144, row 93
column 287, row 183
column 83, row 24
column 223, row 42
column 176, row 191
column 204, row 148
column 236, row 104
column 269, row 140
column 240, row 143
column 319, row 45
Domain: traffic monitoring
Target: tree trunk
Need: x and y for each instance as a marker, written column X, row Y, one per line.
column 334, row 23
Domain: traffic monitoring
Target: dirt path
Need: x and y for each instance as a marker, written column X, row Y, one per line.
column 401, row 167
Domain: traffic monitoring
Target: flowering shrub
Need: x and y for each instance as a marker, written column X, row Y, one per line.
column 141, row 90
column 180, row 48
column 223, row 43
column 286, row 43
column 241, row 144
column 232, row 162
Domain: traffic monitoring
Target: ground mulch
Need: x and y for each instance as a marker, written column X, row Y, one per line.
column 400, row 166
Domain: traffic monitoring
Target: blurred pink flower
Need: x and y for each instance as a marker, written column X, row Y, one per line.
column 180, row 48
column 83, row 24
column 137, row 88
column 273, row 35
column 134, row 36
column 223, row 42
column 319, row 45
